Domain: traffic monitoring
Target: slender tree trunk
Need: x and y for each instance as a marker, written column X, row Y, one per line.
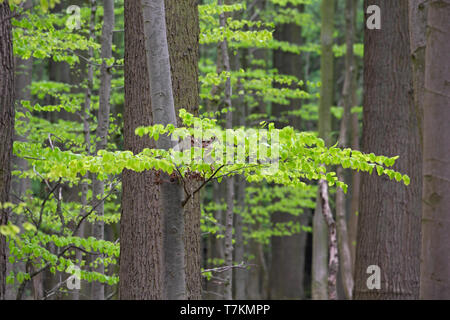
column 141, row 253
column 333, row 259
column 435, row 267
column 240, row 276
column 389, row 220
column 183, row 35
column 163, row 110
column 341, row 217
column 355, row 190
column 85, row 113
column 288, row 253
column 6, row 126
column 98, row 289
column 320, row 238
column 228, row 275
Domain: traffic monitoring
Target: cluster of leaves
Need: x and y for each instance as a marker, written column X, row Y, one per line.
column 43, row 233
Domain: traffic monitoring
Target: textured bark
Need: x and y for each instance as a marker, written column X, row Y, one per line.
column 182, row 36
column 288, row 253
column 435, row 268
column 19, row 186
column 320, row 242
column 389, row 220
column 98, row 187
column 6, row 126
column 163, row 111
column 333, row 259
column 347, row 95
column 418, row 41
column 141, row 254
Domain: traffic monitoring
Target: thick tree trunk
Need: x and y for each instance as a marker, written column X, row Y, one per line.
column 320, row 238
column 389, row 220
column 182, row 35
column 435, row 267
column 6, row 126
column 163, row 110
column 98, row 289
column 141, row 253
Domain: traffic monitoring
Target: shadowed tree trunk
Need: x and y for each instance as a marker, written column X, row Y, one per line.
column 347, row 94
column 141, row 254
column 6, row 126
column 98, row 289
column 435, row 268
column 320, row 238
column 390, row 212
column 288, row 253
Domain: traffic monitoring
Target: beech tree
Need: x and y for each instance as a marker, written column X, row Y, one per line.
column 435, row 267
column 390, row 214
column 320, row 230
column 141, row 222
column 6, row 126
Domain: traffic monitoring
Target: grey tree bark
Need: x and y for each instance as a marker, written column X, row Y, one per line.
column 98, row 289
column 435, row 267
column 163, row 111
column 418, row 42
column 320, row 238
column 347, row 95
column 183, row 32
column 390, row 212
column 6, row 125
column 141, row 226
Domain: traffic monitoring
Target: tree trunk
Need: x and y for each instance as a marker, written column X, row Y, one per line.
column 182, row 35
column 333, row 264
column 418, row 42
column 98, row 289
column 435, row 268
column 341, row 217
column 228, row 274
column 141, row 253
column 240, row 276
column 355, row 190
column 6, row 126
column 163, row 110
column 389, row 220
column 288, row 253
column 320, row 238
column 85, row 115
